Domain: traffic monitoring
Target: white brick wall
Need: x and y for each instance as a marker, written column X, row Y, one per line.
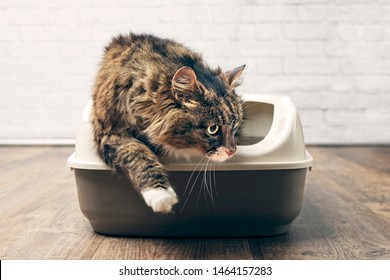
column 332, row 57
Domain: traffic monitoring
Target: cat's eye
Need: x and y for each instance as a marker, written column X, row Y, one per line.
column 213, row 129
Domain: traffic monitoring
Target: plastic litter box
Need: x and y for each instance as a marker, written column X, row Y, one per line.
column 258, row 192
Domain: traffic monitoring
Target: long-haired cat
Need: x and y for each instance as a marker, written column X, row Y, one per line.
column 154, row 96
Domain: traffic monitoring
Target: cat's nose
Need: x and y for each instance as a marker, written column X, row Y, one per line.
column 230, row 152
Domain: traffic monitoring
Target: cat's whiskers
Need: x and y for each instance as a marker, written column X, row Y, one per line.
column 202, row 185
column 240, row 159
column 193, row 184
column 192, row 174
column 206, row 185
column 215, row 179
column 211, row 185
column 206, row 172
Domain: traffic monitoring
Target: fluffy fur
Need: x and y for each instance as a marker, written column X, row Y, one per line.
column 154, row 96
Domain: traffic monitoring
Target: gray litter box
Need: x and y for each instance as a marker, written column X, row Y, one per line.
column 258, row 192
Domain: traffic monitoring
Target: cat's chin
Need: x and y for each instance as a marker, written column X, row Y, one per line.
column 217, row 158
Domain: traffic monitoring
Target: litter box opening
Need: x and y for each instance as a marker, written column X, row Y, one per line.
column 257, row 123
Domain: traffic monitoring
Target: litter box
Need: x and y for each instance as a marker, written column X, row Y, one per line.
column 258, row 192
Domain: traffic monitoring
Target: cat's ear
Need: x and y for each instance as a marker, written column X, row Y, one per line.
column 233, row 77
column 184, row 81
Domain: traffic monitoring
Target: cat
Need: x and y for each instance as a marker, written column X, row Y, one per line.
column 154, row 96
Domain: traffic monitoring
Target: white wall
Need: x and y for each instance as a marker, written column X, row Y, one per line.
column 332, row 57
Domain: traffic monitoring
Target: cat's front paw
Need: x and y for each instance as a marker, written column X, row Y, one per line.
column 160, row 199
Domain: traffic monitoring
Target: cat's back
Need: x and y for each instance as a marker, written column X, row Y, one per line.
column 141, row 62
column 148, row 51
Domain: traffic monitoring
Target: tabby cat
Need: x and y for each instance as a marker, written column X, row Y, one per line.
column 154, row 96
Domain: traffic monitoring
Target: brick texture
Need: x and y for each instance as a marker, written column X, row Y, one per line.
column 332, row 57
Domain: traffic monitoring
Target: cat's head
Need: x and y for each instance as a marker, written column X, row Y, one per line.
column 208, row 115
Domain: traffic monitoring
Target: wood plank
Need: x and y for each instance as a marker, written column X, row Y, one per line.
column 172, row 249
column 40, row 215
column 337, row 220
column 362, row 181
column 345, row 215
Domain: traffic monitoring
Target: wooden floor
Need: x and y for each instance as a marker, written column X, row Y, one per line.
column 345, row 215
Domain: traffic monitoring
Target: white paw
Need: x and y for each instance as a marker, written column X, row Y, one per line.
column 159, row 199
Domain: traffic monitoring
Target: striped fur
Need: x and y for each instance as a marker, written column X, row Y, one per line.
column 154, row 96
